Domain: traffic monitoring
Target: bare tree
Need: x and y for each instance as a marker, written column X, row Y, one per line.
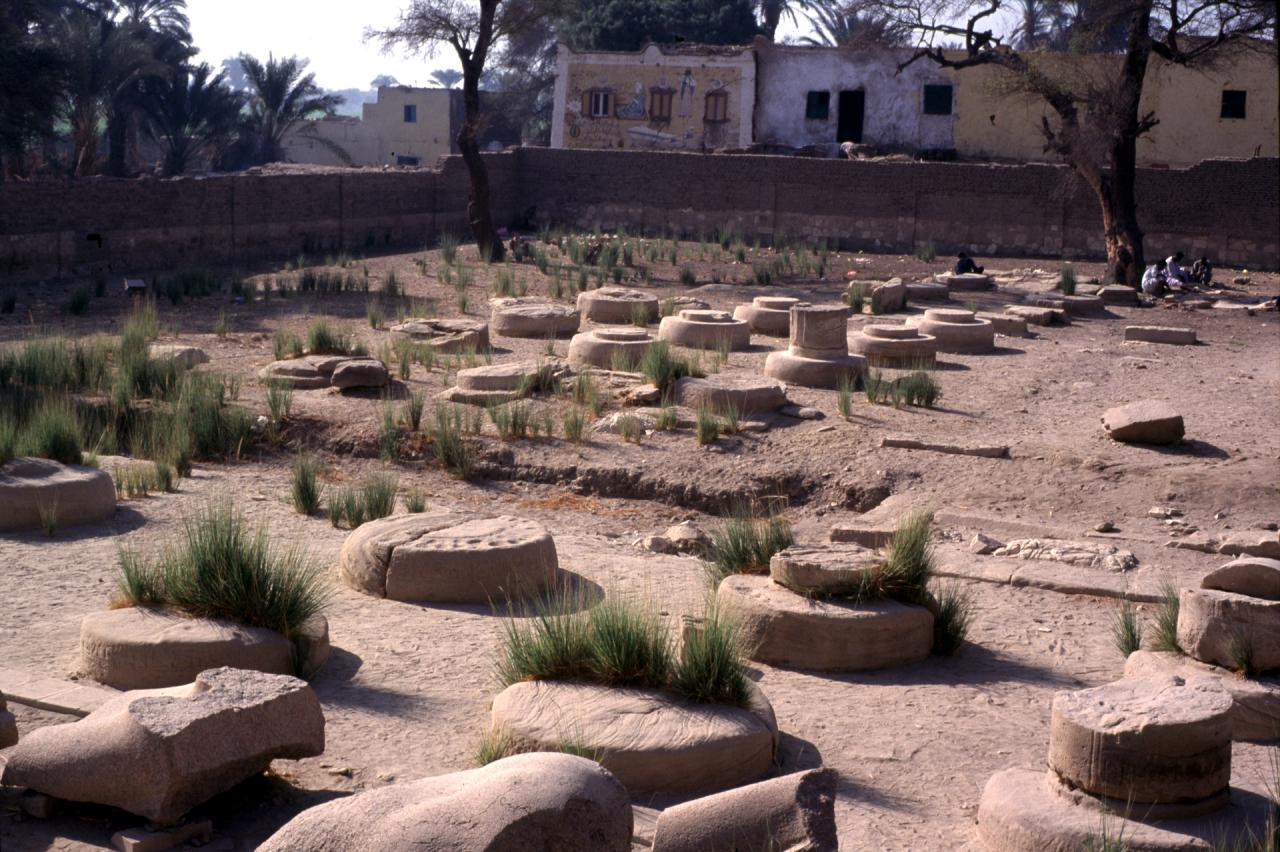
column 1095, row 118
column 472, row 29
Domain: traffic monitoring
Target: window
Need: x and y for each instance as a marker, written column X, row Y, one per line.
column 937, row 100
column 717, row 107
column 599, row 103
column 817, row 106
column 402, row 160
column 410, row 113
column 1233, row 103
column 660, row 104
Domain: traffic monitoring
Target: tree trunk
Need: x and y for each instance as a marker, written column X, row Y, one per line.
column 478, row 214
column 772, row 13
column 1118, row 189
column 117, row 130
column 1120, row 229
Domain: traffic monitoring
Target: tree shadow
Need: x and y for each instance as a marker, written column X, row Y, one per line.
column 1189, row 447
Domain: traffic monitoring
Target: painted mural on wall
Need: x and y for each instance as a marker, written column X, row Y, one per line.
column 675, row 107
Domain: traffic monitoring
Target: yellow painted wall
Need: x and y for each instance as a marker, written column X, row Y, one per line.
column 631, row 79
column 992, row 124
column 381, row 134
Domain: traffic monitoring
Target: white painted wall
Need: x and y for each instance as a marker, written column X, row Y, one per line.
column 894, row 113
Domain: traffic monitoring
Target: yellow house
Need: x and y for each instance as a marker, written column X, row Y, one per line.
column 1226, row 110
column 676, row 97
column 406, row 126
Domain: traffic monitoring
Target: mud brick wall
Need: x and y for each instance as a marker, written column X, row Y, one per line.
column 1229, row 210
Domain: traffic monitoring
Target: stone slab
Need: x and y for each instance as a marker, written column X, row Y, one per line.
column 1160, row 334
column 989, row 452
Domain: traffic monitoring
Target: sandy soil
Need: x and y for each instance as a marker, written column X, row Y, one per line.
column 406, row 691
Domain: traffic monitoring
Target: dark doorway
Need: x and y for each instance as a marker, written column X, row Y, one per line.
column 850, row 116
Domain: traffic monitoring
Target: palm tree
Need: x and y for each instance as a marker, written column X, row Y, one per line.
column 163, row 17
column 850, row 27
column 772, row 12
column 1036, row 20
column 281, row 97
column 447, row 77
column 191, row 114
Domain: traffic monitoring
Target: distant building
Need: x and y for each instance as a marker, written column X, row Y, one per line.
column 406, row 126
column 786, row 97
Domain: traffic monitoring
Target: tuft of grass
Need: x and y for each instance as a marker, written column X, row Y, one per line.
column 664, row 368
column 668, row 419
column 1126, row 629
column 448, row 248
column 855, row 298
column 573, row 423
column 744, row 544
column 710, row 668
column 373, row 313
column 630, row 429
column 688, row 277
column 322, row 339
column 378, row 494
column 951, row 624
column 413, row 410
column 926, row 252
column 48, row 518
column 304, row 485
column 447, row 441
column 279, row 401
column 286, row 344
column 221, row 569
column 1067, row 279
column 909, row 560
column 844, row 398
column 391, row 288
column 707, row 425
column 53, row 432
column 1240, row 649
column 583, row 391
column 389, row 436
column 415, row 501
column 1165, row 631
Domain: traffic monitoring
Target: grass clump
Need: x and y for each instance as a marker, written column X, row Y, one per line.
column 573, row 423
column 48, row 518
column 415, row 502
column 304, row 487
column 1240, row 649
column 221, row 569
column 1126, row 629
column 630, row 428
column 378, row 493
column 52, row 433
column 951, row 623
column 706, row 425
column 622, row 643
column 855, row 298
column 844, row 398
column 1165, row 633
column 322, row 339
column 447, row 441
column 744, row 543
column 668, row 419
column 286, row 344
column 498, row 743
column 926, row 252
column 1067, row 279
column 664, row 368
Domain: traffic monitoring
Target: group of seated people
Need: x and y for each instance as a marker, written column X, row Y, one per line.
column 1169, row 273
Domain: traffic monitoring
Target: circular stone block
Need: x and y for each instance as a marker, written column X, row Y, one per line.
column 139, row 648
column 1212, row 622
column 814, row 372
column 923, row 291
column 1159, row 739
column 652, row 741
column 77, row 494
column 526, row 317
column 967, row 282
column 597, row 348
column 743, row 394
column 895, row 346
column 447, row 336
column 956, row 330
column 783, row 628
column 705, row 330
column 1029, row 810
column 819, row 331
column 1084, row 306
column 617, row 305
column 768, row 314
column 446, row 557
column 823, row 569
column 1255, row 707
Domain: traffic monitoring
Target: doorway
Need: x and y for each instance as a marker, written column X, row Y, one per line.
column 849, row 117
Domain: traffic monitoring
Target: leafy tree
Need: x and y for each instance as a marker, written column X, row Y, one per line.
column 628, row 24
column 383, row 80
column 446, row 78
column 282, row 97
column 1095, row 116
column 32, row 75
column 854, row 25
column 773, row 11
column 192, row 114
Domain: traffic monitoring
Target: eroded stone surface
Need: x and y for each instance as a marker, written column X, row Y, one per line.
column 769, row 315
column 138, row 648
column 1255, row 707
column 720, row 391
column 605, row 347
column 306, row 373
column 830, row 372
column 1104, row 557
column 705, row 330
column 448, row 336
column 617, row 305
column 529, row 801
column 186, row 356
column 360, row 373
column 783, row 628
column 652, row 741
column 448, row 557
column 1147, row 421
column 1161, row 334
column 1255, row 576
column 1162, row 739
column 967, row 282
column 8, row 725
column 1118, row 294
column 76, row 494
column 1038, row 315
column 158, row 753
column 955, row 330
column 1216, row 627
column 530, row 317
column 822, row 569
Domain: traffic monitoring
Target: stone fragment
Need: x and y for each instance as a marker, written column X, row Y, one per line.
column 530, row 317
column 687, row 538
column 606, row 347
column 543, row 801
column 1118, row 294
column 8, row 725
column 621, row 421
column 864, row 534
column 1160, row 739
column 745, row 394
column 159, row 839
column 651, row 740
column 1083, row 305
column 888, row 296
column 617, row 306
column 185, row 356
column 1038, row 315
column 956, row 330
column 983, row 545
column 1253, row 576
column 140, row 648
column 1160, row 334
column 795, row 811
column 448, row 557
column 492, row 383
column 360, row 373
column 705, row 330
column 1005, row 324
column 306, row 373
column 159, row 753
column 446, row 336
column 1218, row 627
column 801, row 412
column 782, row 628
column 769, row 315
column 828, row 569
column 1255, row 706
column 1147, row 421
column 924, row 291
column 654, row 544
column 76, row 494
column 1103, row 557
column 1267, row 547
column 967, row 282
column 989, row 452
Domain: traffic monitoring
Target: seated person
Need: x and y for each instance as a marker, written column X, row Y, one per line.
column 1202, row 271
column 966, row 266
column 1155, row 279
column 1173, row 267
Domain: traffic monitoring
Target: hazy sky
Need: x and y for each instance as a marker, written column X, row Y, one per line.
column 330, row 34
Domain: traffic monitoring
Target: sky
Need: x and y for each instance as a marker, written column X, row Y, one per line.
column 330, row 34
